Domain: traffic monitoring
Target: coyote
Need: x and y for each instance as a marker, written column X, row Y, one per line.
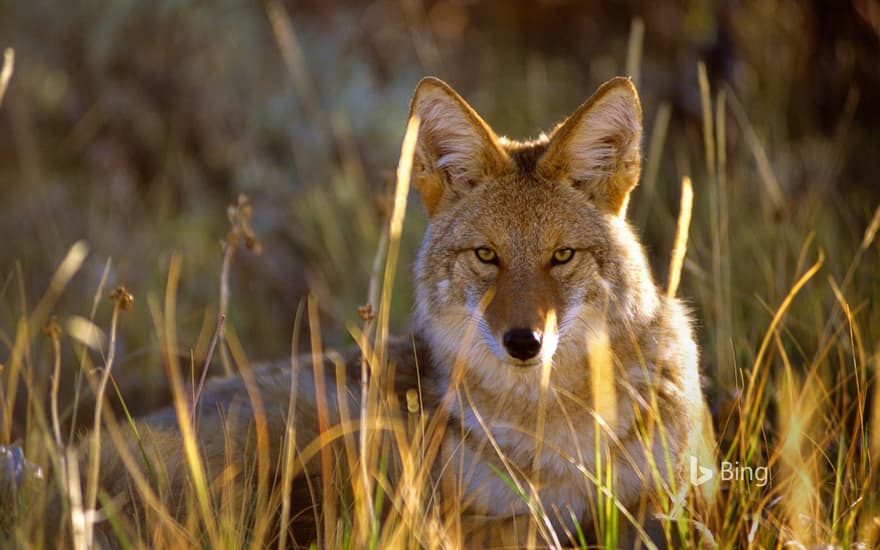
column 567, row 379
column 528, row 248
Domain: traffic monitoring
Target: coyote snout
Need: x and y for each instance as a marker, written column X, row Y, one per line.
column 519, row 321
column 519, row 333
column 523, row 343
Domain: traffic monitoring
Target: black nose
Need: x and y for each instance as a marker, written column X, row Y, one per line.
column 522, row 343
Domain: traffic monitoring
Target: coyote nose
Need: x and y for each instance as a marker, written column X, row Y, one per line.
column 522, row 343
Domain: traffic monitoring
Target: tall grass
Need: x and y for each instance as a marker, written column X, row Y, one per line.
column 790, row 360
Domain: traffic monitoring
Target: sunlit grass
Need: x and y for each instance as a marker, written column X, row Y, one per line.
column 807, row 423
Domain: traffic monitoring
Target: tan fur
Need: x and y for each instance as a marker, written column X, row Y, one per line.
column 524, row 201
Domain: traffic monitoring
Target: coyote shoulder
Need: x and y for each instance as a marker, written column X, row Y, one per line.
column 568, row 380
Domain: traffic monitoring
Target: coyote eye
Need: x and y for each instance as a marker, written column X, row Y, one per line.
column 562, row 255
column 486, row 255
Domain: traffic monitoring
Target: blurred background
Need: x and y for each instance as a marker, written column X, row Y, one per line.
column 133, row 125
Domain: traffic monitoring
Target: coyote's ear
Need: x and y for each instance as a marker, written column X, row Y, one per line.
column 597, row 148
column 455, row 149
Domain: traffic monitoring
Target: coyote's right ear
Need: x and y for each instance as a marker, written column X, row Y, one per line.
column 456, row 149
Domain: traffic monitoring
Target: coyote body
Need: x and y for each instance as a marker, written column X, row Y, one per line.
column 538, row 331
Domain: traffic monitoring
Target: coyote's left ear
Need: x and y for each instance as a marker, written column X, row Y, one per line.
column 597, row 149
column 455, row 150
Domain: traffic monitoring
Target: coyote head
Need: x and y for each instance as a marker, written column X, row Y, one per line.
column 526, row 251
